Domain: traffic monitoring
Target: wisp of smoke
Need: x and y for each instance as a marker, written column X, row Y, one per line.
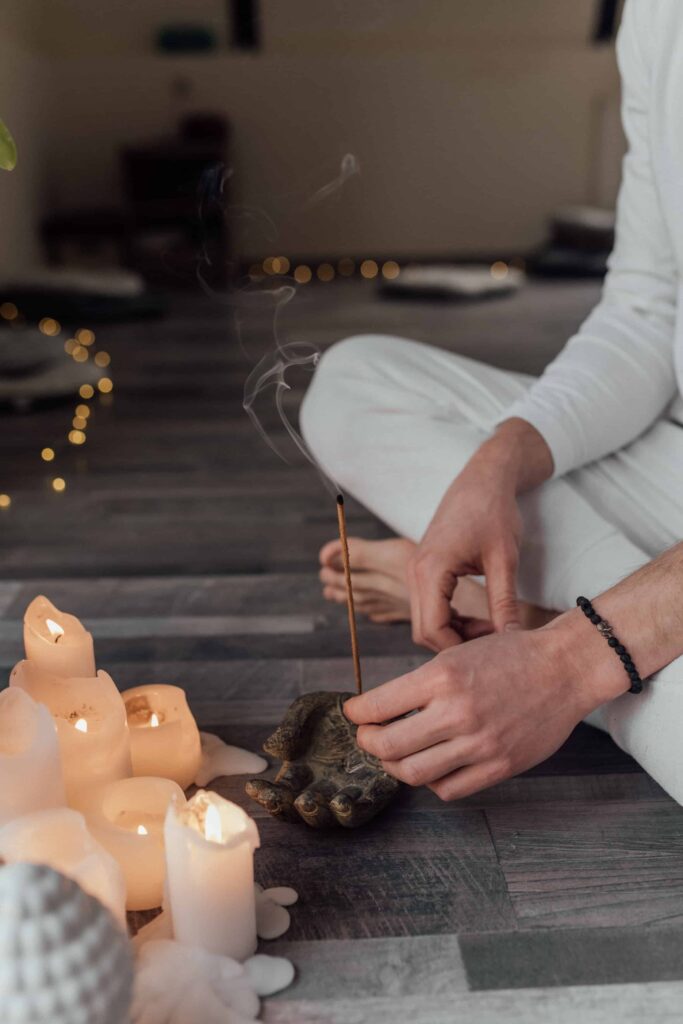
column 270, row 372
column 349, row 167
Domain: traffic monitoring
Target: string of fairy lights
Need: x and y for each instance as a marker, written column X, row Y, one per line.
column 346, row 267
column 369, row 269
column 80, row 348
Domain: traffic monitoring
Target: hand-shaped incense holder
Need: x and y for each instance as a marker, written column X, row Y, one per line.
column 325, row 779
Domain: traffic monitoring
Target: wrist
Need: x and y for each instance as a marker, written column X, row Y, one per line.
column 584, row 660
column 519, row 455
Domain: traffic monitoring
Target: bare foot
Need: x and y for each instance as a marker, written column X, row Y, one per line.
column 378, row 575
column 380, row 588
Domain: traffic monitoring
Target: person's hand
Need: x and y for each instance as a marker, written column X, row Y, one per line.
column 488, row 709
column 476, row 530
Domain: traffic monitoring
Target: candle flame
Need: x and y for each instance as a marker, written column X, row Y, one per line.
column 154, row 721
column 54, row 627
column 142, row 831
column 213, row 830
column 81, row 725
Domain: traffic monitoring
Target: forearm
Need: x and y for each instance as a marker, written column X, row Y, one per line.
column 645, row 611
column 517, row 455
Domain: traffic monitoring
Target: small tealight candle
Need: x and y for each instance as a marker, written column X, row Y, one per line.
column 210, row 845
column 91, row 726
column 57, row 642
column 60, row 839
column 127, row 818
column 30, row 765
column 164, row 739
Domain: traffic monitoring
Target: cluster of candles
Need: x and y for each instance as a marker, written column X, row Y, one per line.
column 91, row 784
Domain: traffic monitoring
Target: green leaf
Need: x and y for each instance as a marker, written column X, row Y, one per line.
column 8, row 151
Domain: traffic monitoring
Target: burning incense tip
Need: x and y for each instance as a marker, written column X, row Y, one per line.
column 341, row 518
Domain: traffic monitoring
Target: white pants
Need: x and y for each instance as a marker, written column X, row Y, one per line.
column 394, row 421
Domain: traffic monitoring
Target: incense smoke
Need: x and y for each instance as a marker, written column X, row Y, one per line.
column 271, row 370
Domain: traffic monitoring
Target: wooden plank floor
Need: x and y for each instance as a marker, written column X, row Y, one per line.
column 190, row 551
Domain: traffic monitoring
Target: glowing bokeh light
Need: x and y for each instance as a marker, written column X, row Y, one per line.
column 303, row 274
column 499, row 270
column 8, row 311
column 391, row 270
column 86, row 391
column 346, row 266
column 47, row 454
column 105, row 384
column 369, row 269
column 48, row 325
column 5, row 501
column 102, row 359
column 325, row 272
column 85, row 336
column 59, row 484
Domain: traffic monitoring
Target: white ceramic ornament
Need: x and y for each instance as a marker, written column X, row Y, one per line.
column 176, row 984
column 219, row 758
column 63, row 959
column 272, row 920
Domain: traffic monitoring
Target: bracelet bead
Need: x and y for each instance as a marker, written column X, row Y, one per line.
column 606, row 631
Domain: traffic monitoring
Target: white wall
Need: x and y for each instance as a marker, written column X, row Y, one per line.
column 471, row 119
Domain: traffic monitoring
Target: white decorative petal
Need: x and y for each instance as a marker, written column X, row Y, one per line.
column 282, row 894
column 160, row 927
column 269, row 974
column 218, row 758
column 178, row 984
column 272, row 920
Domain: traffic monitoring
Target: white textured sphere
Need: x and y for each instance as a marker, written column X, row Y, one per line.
column 63, row 958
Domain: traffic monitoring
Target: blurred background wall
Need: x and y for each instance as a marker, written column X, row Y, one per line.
column 472, row 120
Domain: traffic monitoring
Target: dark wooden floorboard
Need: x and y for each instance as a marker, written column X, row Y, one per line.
column 190, row 550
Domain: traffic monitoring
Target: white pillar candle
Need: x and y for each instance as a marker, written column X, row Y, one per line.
column 60, row 839
column 30, row 765
column 164, row 739
column 210, row 845
column 91, row 726
column 127, row 818
column 57, row 642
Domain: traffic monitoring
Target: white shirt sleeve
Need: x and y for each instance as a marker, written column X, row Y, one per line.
column 616, row 376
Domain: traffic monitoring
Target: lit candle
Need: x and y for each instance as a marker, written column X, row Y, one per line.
column 210, row 845
column 91, row 726
column 57, row 642
column 30, row 766
column 60, row 839
column 164, row 739
column 127, row 818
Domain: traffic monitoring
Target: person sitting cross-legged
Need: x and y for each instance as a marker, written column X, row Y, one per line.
column 511, row 497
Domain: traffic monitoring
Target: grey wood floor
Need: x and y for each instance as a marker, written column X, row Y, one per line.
column 190, row 551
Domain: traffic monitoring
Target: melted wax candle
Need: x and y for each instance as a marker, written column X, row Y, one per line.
column 210, row 845
column 127, row 818
column 57, row 642
column 164, row 739
column 60, row 839
column 91, row 726
column 30, row 765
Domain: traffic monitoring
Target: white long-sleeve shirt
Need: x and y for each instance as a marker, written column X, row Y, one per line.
column 617, row 375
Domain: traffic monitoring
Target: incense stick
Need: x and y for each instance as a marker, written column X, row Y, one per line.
column 341, row 517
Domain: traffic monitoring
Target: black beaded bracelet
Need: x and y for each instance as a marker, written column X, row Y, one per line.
column 606, row 630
